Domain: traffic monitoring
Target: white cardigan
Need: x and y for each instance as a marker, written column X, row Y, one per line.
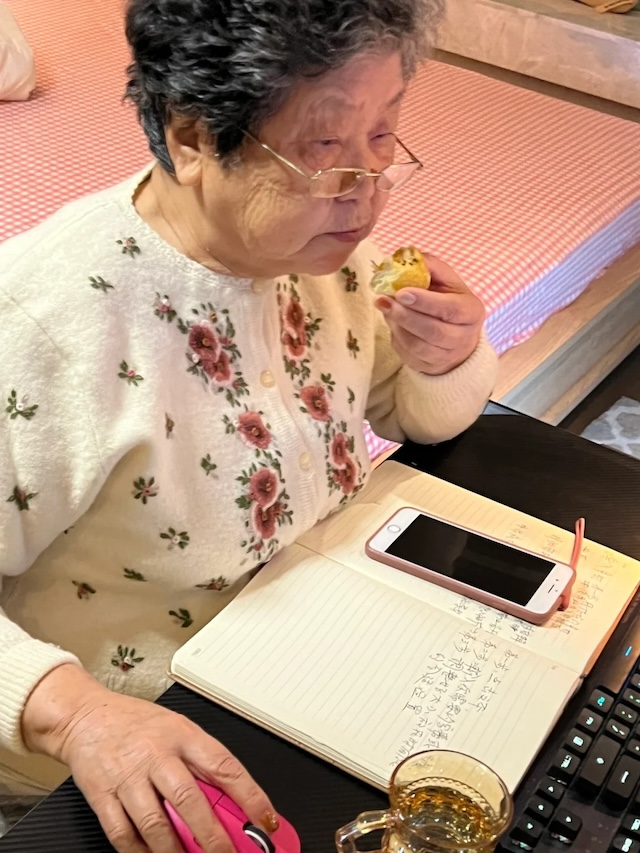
column 166, row 429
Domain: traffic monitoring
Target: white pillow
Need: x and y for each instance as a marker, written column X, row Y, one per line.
column 17, row 70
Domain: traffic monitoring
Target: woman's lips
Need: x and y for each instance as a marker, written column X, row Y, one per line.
column 354, row 236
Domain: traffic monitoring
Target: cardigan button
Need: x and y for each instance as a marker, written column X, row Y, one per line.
column 267, row 379
column 257, row 286
column 305, row 461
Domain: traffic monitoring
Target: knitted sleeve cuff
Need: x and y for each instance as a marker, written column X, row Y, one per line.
column 23, row 663
column 436, row 408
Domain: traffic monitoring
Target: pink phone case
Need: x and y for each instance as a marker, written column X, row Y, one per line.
column 456, row 586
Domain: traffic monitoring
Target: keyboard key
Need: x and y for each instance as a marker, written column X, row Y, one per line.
column 635, row 681
column 600, row 701
column 578, row 742
column 631, row 825
column 625, row 715
column 634, row 808
column 510, row 845
column 597, row 765
column 565, row 766
column 631, row 697
column 527, row 830
column 633, row 747
column 540, row 809
column 624, row 844
column 566, row 824
column 622, row 782
column 620, row 664
column 551, row 791
column 617, row 730
column 589, row 721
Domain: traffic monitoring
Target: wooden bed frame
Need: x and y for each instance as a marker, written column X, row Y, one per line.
column 570, row 354
column 576, row 348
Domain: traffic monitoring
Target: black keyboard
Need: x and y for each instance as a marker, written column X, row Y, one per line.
column 582, row 793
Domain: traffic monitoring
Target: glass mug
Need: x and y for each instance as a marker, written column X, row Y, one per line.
column 440, row 801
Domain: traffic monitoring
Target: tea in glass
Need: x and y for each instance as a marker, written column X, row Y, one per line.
column 440, row 801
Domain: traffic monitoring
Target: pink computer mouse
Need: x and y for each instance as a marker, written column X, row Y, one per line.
column 246, row 837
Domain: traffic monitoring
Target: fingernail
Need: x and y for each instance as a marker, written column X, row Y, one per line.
column 270, row 821
column 405, row 298
column 383, row 306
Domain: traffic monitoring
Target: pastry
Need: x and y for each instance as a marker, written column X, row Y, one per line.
column 405, row 268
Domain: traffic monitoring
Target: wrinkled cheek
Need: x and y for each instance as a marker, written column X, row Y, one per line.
column 280, row 226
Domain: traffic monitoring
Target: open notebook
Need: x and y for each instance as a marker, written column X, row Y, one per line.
column 362, row 664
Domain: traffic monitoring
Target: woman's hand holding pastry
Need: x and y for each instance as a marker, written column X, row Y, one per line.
column 434, row 330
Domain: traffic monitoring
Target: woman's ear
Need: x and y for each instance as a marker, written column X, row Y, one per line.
column 189, row 144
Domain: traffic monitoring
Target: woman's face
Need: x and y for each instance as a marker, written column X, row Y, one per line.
column 260, row 214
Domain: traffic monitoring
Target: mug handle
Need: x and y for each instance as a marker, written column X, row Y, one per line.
column 362, row 825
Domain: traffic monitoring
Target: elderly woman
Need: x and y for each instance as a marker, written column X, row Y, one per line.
column 188, row 358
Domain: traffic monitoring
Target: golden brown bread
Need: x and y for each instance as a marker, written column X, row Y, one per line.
column 405, row 268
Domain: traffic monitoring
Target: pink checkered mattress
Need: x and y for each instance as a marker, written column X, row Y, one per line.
column 528, row 197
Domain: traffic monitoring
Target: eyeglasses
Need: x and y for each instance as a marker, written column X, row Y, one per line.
column 333, row 183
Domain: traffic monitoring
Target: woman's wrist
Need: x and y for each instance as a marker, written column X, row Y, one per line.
column 55, row 704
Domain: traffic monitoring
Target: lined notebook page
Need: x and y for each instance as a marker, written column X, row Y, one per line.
column 363, row 675
column 605, row 584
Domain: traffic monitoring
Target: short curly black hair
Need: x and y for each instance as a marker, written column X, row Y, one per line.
column 233, row 63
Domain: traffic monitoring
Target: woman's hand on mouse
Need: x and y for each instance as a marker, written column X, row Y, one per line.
column 127, row 755
column 435, row 330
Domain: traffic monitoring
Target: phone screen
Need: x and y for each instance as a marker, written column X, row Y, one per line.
column 471, row 559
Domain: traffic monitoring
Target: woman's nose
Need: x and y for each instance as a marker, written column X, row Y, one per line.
column 364, row 190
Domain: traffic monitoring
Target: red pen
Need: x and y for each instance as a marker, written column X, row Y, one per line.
column 573, row 562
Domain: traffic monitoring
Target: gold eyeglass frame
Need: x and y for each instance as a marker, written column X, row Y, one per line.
column 360, row 174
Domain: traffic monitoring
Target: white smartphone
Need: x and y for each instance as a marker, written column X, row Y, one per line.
column 507, row 578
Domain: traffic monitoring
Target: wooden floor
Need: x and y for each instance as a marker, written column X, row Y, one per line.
column 624, row 381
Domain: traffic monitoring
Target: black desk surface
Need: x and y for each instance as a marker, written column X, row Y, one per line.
column 523, row 463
